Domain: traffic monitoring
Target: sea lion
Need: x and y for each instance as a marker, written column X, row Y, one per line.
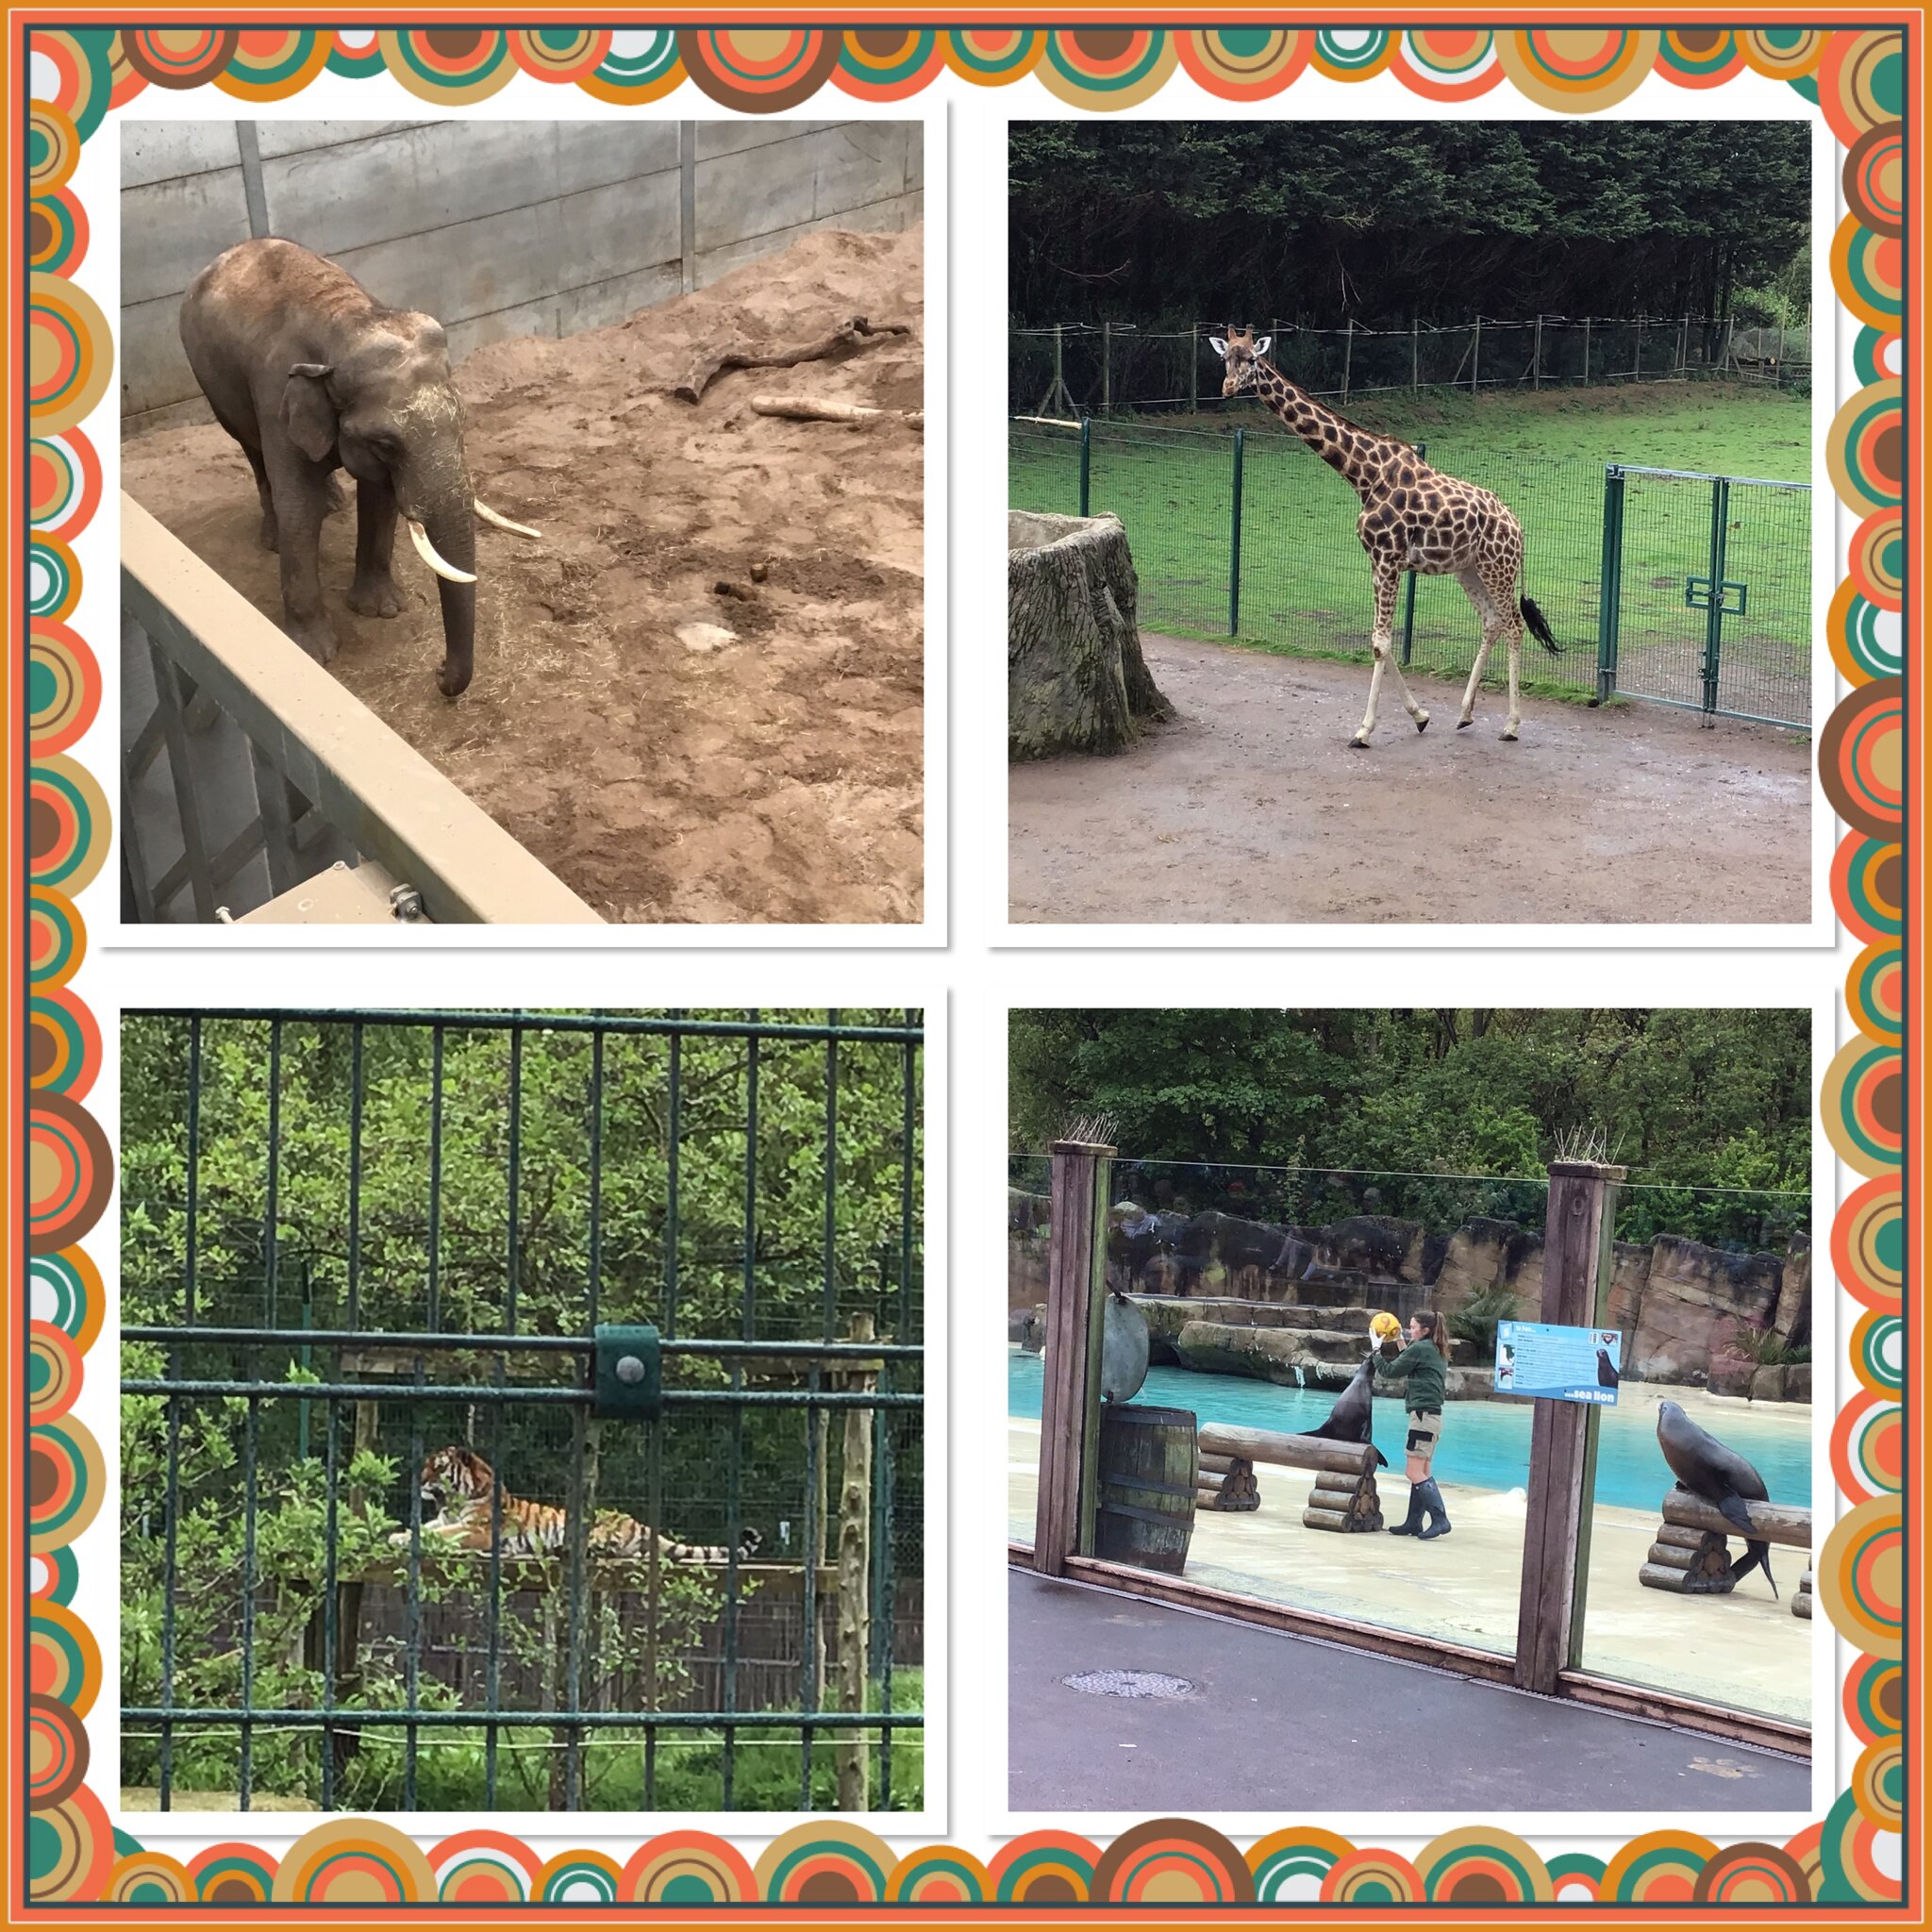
column 1349, row 1421
column 1607, row 1376
column 1721, row 1477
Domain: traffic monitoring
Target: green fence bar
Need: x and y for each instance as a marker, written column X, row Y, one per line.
column 1610, row 580
column 465, row 1197
column 1714, row 613
column 1234, row 542
column 1422, row 449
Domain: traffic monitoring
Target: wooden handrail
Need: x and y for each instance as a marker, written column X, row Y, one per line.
column 387, row 799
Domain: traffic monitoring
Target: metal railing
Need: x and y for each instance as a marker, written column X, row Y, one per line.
column 276, row 773
column 1105, row 368
column 1235, row 532
column 658, row 1181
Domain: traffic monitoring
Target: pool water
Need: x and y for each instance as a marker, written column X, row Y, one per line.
column 1485, row 1444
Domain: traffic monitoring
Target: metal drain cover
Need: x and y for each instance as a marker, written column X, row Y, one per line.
column 1127, row 1684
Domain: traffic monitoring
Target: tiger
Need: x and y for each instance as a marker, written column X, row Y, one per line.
column 462, row 1487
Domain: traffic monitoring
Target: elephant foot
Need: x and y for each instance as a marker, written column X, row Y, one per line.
column 316, row 638
column 379, row 597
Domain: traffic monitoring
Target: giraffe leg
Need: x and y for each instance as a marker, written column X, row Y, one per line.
column 1491, row 619
column 1382, row 641
column 1503, row 590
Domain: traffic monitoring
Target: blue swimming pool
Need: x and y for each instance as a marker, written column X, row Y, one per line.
column 1485, row 1444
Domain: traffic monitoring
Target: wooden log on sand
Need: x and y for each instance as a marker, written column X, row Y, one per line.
column 1703, row 1571
column 1801, row 1604
column 856, row 334
column 821, row 409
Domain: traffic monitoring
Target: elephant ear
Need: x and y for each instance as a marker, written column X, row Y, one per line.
column 308, row 413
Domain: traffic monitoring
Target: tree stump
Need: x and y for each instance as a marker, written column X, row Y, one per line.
column 1075, row 679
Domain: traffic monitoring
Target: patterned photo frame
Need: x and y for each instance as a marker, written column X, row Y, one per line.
column 1865, row 81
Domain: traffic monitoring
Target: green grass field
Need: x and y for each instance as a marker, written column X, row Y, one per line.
column 1305, row 584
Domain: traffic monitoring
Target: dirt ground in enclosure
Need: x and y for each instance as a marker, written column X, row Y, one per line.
column 1250, row 809
column 665, row 772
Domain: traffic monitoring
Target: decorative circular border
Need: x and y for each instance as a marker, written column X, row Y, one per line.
column 1246, row 63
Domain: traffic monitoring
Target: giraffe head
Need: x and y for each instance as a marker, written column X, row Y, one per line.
column 1239, row 352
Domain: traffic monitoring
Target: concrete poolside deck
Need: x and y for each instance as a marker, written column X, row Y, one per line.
column 1275, row 1723
column 1745, row 1649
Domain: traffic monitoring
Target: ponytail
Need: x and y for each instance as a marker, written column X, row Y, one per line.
column 1434, row 1329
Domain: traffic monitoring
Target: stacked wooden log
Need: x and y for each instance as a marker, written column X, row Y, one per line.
column 1226, row 1482
column 1344, row 1496
column 1692, row 1554
column 1801, row 1604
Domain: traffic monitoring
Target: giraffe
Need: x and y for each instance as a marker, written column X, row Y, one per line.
column 1413, row 518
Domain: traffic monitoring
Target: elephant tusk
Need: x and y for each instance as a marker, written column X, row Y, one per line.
column 502, row 522
column 426, row 551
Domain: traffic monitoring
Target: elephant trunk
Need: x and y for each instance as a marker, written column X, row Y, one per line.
column 451, row 526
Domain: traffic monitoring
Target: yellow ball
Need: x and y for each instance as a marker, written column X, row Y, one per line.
column 1384, row 1326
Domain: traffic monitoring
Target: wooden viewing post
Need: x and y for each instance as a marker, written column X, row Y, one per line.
column 1076, row 1294
column 1562, row 1435
column 852, row 1749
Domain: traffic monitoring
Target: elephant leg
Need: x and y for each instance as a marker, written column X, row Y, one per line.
column 298, row 502
column 375, row 591
column 271, row 535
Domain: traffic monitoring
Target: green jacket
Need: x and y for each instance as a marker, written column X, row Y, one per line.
column 1422, row 1363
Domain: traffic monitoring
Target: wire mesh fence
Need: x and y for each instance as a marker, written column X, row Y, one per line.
column 1110, row 368
column 1237, row 532
column 394, row 1537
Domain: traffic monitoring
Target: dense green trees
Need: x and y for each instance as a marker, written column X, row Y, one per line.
column 1166, row 222
column 1689, row 1099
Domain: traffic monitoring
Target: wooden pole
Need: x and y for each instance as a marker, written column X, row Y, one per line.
column 1193, row 369
column 852, row 1751
column 1475, row 367
column 1076, row 1257
column 1537, row 361
column 1415, row 354
column 1107, row 366
column 1347, row 358
column 1576, row 1258
column 1586, row 352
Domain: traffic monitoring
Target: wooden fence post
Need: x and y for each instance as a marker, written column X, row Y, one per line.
column 1562, row 1435
column 852, row 1751
column 1077, row 1260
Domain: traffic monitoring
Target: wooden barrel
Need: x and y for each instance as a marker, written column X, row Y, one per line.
column 1149, row 1466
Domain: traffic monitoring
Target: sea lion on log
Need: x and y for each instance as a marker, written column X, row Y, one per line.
column 1351, row 1419
column 1721, row 1477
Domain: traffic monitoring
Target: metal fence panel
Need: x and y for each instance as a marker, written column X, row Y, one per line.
column 1263, row 546
column 496, row 1185
column 1714, row 594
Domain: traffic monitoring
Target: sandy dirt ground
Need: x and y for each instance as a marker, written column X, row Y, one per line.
column 1250, row 809
column 774, row 777
column 1745, row 1649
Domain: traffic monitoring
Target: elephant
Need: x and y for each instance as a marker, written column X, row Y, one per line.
column 309, row 373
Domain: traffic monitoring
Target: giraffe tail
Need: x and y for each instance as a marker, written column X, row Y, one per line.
column 1540, row 626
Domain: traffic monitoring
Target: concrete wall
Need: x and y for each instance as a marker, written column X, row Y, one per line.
column 496, row 227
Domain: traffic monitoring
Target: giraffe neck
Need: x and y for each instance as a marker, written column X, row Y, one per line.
column 1354, row 452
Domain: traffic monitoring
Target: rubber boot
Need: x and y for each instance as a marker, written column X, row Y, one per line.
column 1439, row 1516
column 1413, row 1521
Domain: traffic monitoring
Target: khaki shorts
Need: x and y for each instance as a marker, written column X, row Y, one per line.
column 1424, row 1432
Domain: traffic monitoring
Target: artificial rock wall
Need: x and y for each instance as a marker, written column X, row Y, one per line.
column 1678, row 1302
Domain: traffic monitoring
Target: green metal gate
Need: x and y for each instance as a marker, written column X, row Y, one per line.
column 662, row 1274
column 1706, row 594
